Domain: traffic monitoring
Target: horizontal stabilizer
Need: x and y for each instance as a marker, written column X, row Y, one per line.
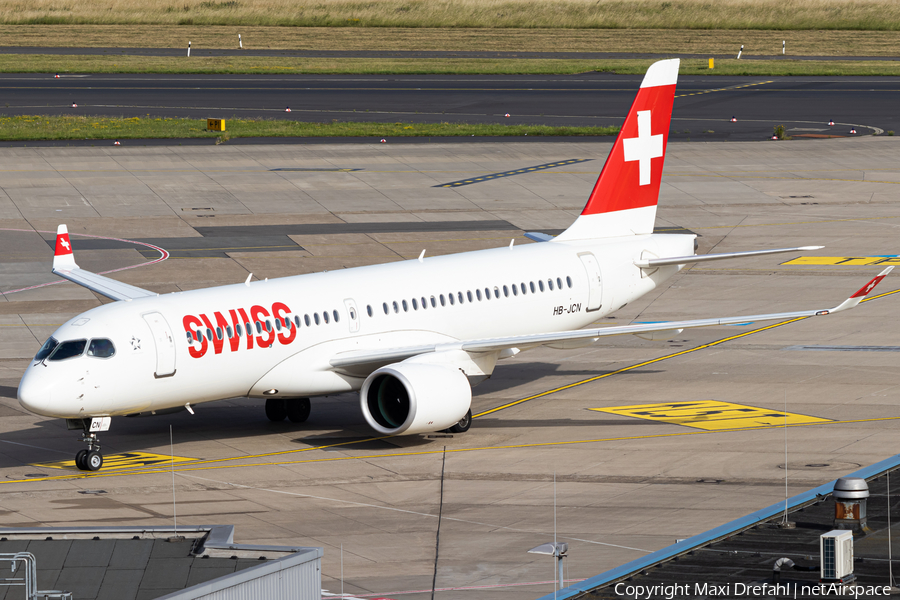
column 683, row 260
column 537, row 236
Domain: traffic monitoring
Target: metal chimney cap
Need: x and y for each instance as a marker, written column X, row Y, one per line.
column 851, row 488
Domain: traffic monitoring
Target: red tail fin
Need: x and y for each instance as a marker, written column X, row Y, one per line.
column 624, row 198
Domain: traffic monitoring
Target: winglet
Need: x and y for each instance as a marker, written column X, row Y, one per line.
column 63, row 259
column 861, row 294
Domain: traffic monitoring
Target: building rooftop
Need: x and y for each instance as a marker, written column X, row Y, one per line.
column 748, row 556
column 131, row 563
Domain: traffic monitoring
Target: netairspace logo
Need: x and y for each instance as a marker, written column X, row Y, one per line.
column 739, row 590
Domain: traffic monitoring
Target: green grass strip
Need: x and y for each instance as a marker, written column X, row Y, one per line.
column 43, row 63
column 36, row 127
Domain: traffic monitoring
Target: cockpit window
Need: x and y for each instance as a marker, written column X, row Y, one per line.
column 48, row 347
column 101, row 348
column 69, row 349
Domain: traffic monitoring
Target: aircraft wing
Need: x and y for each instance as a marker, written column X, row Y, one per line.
column 380, row 356
column 64, row 265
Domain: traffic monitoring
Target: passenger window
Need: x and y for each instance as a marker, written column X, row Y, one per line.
column 278, row 324
column 515, row 289
column 48, row 347
column 306, row 320
column 434, row 302
column 103, row 348
column 287, row 323
column 316, row 318
column 415, row 304
column 405, row 306
column 559, row 283
column 325, row 316
column 369, row 309
column 337, row 316
column 297, row 321
column 385, row 307
column 238, row 330
column 209, row 335
column 229, row 332
column 505, row 291
column 396, row 306
column 540, row 285
column 258, row 327
column 550, row 284
column 68, row 350
column 248, row 329
column 218, row 333
column 452, row 302
column 568, row 281
column 469, row 295
column 524, row 289
column 477, row 293
column 268, row 325
column 460, row 297
column 442, row 300
column 424, row 303
column 496, row 292
column 531, row 284
column 190, row 338
column 487, row 293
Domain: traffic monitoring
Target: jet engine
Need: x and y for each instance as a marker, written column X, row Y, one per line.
column 408, row 398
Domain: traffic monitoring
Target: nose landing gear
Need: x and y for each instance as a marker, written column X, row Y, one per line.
column 90, row 459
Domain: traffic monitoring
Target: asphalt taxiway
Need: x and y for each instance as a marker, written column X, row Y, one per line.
column 661, row 460
column 704, row 105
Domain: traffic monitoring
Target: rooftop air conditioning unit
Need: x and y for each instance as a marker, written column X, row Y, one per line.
column 836, row 554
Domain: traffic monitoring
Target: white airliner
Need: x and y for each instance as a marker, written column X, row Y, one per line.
column 412, row 337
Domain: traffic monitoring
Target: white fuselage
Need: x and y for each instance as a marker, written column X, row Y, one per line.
column 155, row 367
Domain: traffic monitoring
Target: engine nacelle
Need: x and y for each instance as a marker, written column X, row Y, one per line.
column 408, row 398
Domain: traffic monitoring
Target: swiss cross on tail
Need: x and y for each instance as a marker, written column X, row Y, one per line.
column 624, row 198
column 644, row 147
column 632, row 173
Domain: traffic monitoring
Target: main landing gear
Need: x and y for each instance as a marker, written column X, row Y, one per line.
column 463, row 425
column 296, row 410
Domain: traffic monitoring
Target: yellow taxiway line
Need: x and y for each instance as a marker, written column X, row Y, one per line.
column 199, row 465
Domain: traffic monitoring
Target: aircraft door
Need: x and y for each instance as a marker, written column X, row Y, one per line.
column 595, row 283
column 353, row 314
column 164, row 342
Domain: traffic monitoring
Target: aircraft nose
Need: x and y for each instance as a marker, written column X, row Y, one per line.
column 34, row 393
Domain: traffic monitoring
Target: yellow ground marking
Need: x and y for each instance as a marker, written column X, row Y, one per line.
column 166, row 461
column 199, row 465
column 847, row 261
column 711, row 415
column 196, row 467
column 126, row 460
